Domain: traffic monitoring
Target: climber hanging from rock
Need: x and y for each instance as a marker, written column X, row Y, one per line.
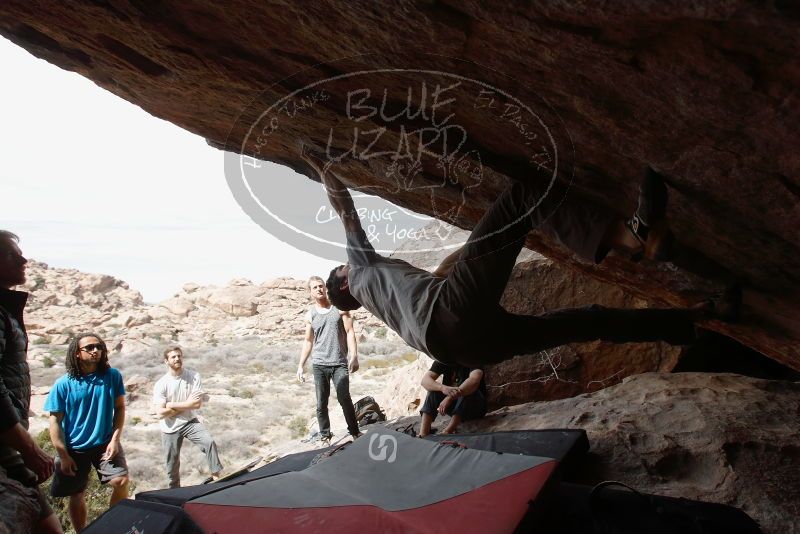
column 453, row 313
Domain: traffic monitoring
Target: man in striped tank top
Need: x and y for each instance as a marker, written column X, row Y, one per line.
column 329, row 339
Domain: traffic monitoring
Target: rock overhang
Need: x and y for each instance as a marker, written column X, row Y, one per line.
column 705, row 92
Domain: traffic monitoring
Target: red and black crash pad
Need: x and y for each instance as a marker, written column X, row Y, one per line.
column 142, row 517
column 384, row 482
column 566, row 446
column 152, row 508
column 178, row 496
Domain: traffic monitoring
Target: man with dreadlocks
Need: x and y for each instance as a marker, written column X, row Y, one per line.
column 23, row 465
column 87, row 412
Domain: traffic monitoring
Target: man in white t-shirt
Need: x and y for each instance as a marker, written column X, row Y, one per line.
column 178, row 397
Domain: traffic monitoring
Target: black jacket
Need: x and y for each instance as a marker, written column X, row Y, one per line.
column 15, row 376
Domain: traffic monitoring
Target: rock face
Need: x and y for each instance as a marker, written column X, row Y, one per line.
column 70, row 287
column 719, row 438
column 402, row 393
column 541, row 285
column 64, row 302
column 705, row 91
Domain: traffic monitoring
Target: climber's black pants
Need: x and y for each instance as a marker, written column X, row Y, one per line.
column 469, row 327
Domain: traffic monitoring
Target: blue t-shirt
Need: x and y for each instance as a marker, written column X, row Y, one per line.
column 88, row 407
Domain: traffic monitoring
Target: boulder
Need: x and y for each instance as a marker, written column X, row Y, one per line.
column 539, row 285
column 138, row 319
column 285, row 282
column 136, row 383
column 190, row 287
column 178, row 306
column 60, row 339
column 238, row 301
column 401, row 393
column 712, row 437
column 130, row 346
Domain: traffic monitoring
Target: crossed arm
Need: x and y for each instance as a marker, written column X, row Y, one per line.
column 171, row 409
column 467, row 387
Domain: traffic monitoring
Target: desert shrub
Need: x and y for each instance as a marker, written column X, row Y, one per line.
column 44, row 340
column 97, row 495
column 377, row 363
column 298, row 426
column 48, row 362
column 380, row 333
column 241, row 393
column 136, row 420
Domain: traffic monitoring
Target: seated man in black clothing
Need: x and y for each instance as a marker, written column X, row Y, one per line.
column 453, row 314
column 461, row 395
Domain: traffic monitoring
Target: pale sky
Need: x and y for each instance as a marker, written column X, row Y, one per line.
column 90, row 181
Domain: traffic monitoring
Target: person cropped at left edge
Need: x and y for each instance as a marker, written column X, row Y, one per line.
column 23, row 465
column 87, row 413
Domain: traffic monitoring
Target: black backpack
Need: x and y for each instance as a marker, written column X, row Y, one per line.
column 368, row 411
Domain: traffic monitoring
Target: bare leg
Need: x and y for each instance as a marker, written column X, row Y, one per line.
column 119, row 489
column 425, row 425
column 453, row 425
column 48, row 525
column 77, row 511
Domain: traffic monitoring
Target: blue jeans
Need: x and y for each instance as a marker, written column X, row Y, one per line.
column 341, row 381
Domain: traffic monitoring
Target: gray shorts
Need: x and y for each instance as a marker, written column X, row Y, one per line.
column 107, row 470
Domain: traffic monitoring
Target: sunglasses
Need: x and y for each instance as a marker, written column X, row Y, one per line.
column 93, row 347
